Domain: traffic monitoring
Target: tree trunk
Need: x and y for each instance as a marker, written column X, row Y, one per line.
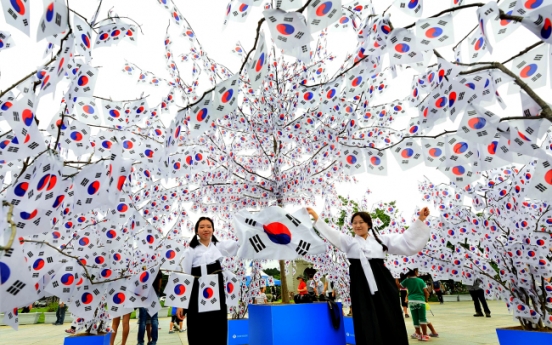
column 283, row 282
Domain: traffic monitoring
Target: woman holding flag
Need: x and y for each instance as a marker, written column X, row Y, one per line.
column 378, row 317
column 207, row 314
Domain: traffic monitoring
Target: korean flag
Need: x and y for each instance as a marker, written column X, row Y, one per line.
column 435, row 32
column 478, row 124
column 459, row 150
column 6, row 41
column 502, row 28
column 323, row 13
column 209, row 296
column 288, row 30
column 84, row 82
column 460, row 174
column 352, row 161
column 200, row 117
column 225, row 95
column 531, row 67
column 408, row 154
column 309, row 97
column 541, row 183
column 411, row 7
column 477, row 45
column 178, row 290
column 403, row 47
column 239, row 11
column 258, row 66
column 88, row 111
column 17, row 288
column 232, row 288
column 434, row 151
column 54, row 20
column 17, row 14
column 376, row 162
column 539, row 22
column 275, row 234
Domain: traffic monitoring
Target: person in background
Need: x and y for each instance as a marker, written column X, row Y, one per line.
column 404, row 296
column 328, row 289
column 261, row 298
column 478, row 295
column 152, row 327
column 177, row 320
column 311, row 288
column 438, row 292
column 27, row 309
column 60, row 313
column 301, row 290
column 115, row 326
column 320, row 291
column 417, row 299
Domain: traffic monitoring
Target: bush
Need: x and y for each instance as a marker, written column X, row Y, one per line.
column 52, row 306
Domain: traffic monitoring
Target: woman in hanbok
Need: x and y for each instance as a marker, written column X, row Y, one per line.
column 378, row 317
column 204, row 254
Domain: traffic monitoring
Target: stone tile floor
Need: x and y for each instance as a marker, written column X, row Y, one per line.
column 453, row 320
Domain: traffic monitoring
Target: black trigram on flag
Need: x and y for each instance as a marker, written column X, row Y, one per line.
column 250, row 222
column 257, row 244
column 294, row 220
column 16, row 287
column 302, row 248
column 214, row 300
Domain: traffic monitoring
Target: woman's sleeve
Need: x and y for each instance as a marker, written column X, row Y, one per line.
column 338, row 239
column 228, row 248
column 410, row 242
column 188, row 260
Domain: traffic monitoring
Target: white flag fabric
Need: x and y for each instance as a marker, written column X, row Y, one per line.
column 478, row 124
column 17, row 14
column 232, row 289
column 434, row 151
column 323, row 13
column 11, row 318
column 16, row 288
column 178, row 290
column 352, row 160
column 502, row 28
column 200, row 118
column 309, row 97
column 435, row 32
column 403, row 47
column 259, row 65
column 275, row 234
column 477, row 45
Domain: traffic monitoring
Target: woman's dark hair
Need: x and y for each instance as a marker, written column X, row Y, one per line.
column 195, row 242
column 368, row 220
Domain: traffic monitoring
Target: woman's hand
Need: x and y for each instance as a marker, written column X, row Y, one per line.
column 313, row 213
column 423, row 214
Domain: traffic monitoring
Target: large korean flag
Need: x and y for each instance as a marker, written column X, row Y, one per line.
column 541, row 183
column 259, row 65
column 322, row 14
column 275, row 234
column 17, row 14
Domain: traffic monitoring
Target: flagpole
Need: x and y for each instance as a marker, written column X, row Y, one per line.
column 283, row 276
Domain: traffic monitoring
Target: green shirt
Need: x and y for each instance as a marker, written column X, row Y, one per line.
column 415, row 288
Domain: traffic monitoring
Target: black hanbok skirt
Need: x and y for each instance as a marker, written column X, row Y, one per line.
column 377, row 318
column 210, row 327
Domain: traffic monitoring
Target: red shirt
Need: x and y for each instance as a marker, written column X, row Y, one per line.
column 302, row 285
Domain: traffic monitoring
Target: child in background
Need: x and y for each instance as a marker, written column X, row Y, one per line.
column 417, row 299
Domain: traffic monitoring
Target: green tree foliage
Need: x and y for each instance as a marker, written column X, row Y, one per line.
column 274, row 272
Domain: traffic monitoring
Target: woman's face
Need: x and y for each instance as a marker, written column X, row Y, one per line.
column 360, row 227
column 205, row 230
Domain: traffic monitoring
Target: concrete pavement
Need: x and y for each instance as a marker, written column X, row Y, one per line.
column 453, row 320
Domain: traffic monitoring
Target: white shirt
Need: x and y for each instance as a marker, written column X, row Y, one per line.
column 260, row 299
column 205, row 255
column 408, row 243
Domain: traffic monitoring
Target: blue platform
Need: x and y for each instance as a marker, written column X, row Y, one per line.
column 286, row 324
column 88, row 340
column 517, row 336
column 349, row 330
column 238, row 332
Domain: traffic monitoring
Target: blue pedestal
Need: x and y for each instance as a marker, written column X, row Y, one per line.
column 515, row 337
column 238, row 332
column 305, row 324
column 88, row 340
column 349, row 330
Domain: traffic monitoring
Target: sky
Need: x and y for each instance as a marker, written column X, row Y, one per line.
column 206, row 18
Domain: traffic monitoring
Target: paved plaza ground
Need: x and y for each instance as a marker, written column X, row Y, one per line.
column 453, row 320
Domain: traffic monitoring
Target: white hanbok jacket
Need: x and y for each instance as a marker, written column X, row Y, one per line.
column 408, row 243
